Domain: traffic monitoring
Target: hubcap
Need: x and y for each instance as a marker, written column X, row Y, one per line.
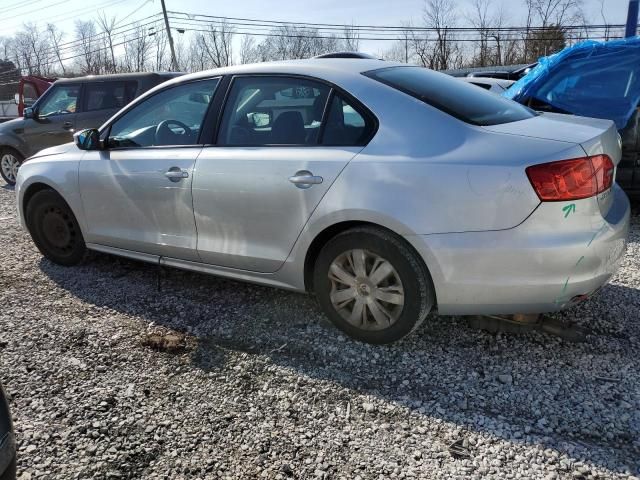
column 9, row 164
column 366, row 290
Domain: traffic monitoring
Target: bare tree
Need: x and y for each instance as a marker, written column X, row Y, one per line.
column 248, row 51
column 480, row 18
column 107, row 26
column 137, row 48
column 438, row 49
column 55, row 36
column 217, row 44
column 160, row 48
column 351, row 40
column 88, row 46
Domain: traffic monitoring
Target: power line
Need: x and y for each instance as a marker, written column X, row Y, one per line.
column 57, row 17
column 387, row 39
column 13, row 6
column 33, row 11
column 305, row 32
column 402, row 28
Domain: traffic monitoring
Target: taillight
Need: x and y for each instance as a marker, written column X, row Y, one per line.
column 571, row 179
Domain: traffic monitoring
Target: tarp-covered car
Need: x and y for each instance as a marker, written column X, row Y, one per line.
column 592, row 79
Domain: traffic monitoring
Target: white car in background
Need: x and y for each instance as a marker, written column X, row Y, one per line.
column 496, row 85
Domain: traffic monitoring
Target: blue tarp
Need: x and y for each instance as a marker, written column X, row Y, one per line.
column 590, row 79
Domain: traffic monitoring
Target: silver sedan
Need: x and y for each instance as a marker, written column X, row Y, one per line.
column 387, row 190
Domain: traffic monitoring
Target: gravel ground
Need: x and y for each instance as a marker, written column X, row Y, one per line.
column 264, row 389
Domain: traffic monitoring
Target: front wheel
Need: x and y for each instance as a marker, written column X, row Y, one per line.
column 10, row 161
column 54, row 229
column 372, row 285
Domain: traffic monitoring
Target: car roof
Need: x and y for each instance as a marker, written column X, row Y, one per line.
column 315, row 67
column 121, row 76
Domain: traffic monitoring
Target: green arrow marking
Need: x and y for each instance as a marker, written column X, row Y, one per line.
column 571, row 208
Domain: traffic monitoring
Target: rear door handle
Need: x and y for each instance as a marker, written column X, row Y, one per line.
column 305, row 179
column 175, row 174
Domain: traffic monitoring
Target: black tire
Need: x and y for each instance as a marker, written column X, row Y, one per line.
column 16, row 155
column 54, row 229
column 630, row 135
column 419, row 294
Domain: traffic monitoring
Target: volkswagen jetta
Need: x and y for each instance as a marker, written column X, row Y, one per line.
column 387, row 190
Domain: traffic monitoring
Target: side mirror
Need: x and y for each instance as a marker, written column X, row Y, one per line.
column 29, row 113
column 88, row 139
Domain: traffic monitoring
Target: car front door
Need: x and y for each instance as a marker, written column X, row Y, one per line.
column 136, row 193
column 53, row 122
column 277, row 153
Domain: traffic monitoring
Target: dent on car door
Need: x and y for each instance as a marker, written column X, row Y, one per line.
column 278, row 151
column 136, row 193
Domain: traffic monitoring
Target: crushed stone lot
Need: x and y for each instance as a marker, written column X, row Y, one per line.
column 262, row 387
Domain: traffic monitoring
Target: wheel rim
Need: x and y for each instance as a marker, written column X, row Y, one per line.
column 366, row 290
column 9, row 164
column 58, row 230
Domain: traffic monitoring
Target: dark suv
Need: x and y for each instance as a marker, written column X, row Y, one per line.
column 70, row 104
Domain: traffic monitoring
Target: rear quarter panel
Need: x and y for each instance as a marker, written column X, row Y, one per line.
column 426, row 172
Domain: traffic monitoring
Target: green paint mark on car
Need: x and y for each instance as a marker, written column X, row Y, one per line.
column 571, row 208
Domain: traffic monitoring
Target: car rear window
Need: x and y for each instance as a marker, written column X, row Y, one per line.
column 459, row 99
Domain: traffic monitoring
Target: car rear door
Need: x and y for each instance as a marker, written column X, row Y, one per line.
column 278, row 150
column 136, row 193
column 101, row 100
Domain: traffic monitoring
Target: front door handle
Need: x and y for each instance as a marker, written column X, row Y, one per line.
column 67, row 125
column 305, row 179
column 175, row 174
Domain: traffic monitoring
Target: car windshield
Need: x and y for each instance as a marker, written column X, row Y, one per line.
column 459, row 99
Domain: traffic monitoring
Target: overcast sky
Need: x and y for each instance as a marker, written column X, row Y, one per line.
column 13, row 13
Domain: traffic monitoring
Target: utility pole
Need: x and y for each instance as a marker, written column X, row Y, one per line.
column 174, row 62
column 632, row 19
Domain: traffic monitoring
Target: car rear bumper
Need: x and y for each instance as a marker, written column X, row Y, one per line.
column 547, row 263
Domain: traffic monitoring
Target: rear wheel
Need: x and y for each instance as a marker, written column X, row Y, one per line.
column 372, row 285
column 54, row 229
column 10, row 161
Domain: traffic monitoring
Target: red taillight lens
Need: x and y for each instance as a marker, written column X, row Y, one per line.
column 603, row 167
column 572, row 179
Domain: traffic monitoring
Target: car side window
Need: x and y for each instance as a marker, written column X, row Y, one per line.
column 173, row 116
column 29, row 94
column 345, row 125
column 108, row 95
column 275, row 110
column 62, row 100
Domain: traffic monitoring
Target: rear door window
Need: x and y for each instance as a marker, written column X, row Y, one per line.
column 459, row 99
column 276, row 110
column 108, row 95
column 345, row 125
